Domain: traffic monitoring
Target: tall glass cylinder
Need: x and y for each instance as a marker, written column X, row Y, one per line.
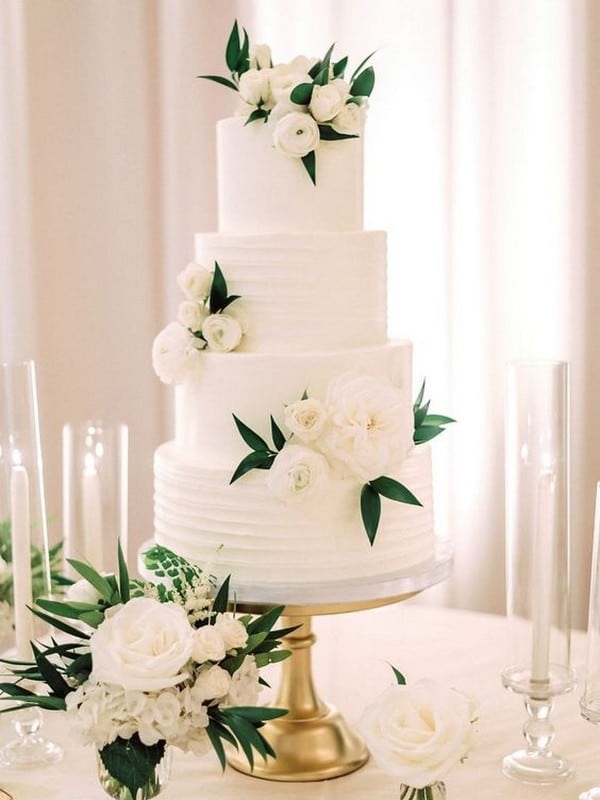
column 95, row 476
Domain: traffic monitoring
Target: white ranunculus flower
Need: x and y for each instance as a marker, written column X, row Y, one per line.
column 211, row 683
column 82, row 592
column 222, row 332
column 260, row 57
column 326, row 102
column 145, row 646
column 418, row 732
column 176, row 354
column 283, row 81
column 298, row 473
column 348, row 120
column 370, row 425
column 195, row 282
column 301, row 64
column 255, row 87
column 306, row 418
column 234, row 633
column 296, row 134
column 208, row 645
column 191, row 315
column 244, row 688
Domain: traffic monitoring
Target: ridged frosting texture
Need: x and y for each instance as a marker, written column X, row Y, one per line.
column 256, row 537
column 306, row 291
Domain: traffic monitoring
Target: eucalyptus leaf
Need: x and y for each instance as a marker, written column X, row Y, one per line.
column 370, row 509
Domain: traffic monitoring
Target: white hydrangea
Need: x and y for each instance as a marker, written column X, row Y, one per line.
column 244, row 688
column 176, row 354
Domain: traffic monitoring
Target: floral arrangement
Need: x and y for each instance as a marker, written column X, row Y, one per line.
column 38, row 580
column 418, row 733
column 305, row 101
column 201, row 323
column 363, row 429
column 148, row 665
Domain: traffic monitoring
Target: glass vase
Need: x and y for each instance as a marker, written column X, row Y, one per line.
column 155, row 784
column 435, row 791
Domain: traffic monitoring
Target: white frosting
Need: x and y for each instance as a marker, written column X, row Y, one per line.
column 244, row 530
column 301, row 292
column 264, row 191
column 254, row 385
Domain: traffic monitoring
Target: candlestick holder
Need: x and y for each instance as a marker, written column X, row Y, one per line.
column 537, row 559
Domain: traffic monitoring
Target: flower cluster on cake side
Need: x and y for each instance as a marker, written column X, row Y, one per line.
column 204, row 321
column 150, row 664
column 305, row 101
column 362, row 429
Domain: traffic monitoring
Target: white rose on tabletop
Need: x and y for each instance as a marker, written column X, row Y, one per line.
column 370, row 425
column 245, row 688
column 349, row 120
column 82, row 592
column 145, row 645
column 176, row 354
column 418, row 732
column 195, row 282
column 296, row 134
column 231, row 629
column 306, row 418
column 326, row 102
column 211, row 683
column 255, row 87
column 298, row 473
column 208, row 645
column 191, row 315
column 260, row 57
column 222, row 332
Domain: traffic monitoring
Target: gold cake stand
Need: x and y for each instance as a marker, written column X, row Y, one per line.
column 313, row 742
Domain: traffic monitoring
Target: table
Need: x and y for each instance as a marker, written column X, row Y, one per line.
column 350, row 664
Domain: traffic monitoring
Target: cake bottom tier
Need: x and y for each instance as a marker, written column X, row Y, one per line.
column 245, row 531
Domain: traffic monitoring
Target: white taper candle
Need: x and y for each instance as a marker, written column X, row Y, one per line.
column 542, row 572
column 21, row 559
column 91, row 499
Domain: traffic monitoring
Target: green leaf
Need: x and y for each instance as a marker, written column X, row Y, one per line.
column 232, row 51
column 304, row 395
column 328, row 134
column 322, row 78
column 231, row 299
column 400, row 679
column 363, row 84
column 257, row 713
column 15, row 690
column 370, row 509
column 310, row 166
column 243, row 62
column 255, row 460
column 265, row 621
column 302, row 93
column 394, row 490
column 420, row 414
column 258, row 113
column 262, row 659
column 218, row 79
column 252, row 439
column 277, row 434
column 339, row 67
column 123, row 574
column 361, row 65
column 93, row 577
column 426, row 433
column 50, row 674
column 419, row 400
column 41, row 701
column 215, row 740
column 131, row 762
column 59, row 624
column 218, row 291
column 221, row 600
column 71, row 610
column 437, row 419
column 326, row 62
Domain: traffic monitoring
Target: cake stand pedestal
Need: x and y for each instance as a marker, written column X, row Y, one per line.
column 313, row 742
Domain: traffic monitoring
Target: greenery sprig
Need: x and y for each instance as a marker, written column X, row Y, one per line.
column 262, row 455
column 427, row 426
column 237, row 58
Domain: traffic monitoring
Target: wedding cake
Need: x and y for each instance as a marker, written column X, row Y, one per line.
column 299, row 457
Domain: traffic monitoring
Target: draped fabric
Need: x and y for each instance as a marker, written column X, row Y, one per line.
column 482, row 163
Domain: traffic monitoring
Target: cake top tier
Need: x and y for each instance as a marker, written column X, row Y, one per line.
column 291, row 159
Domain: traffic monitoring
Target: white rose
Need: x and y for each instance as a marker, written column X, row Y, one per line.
column 260, row 57
column 244, row 688
column 195, row 282
column 349, row 120
column 418, row 732
column 176, row 354
column 301, row 64
column 208, row 645
column 297, row 473
column 306, row 418
column 255, row 87
column 326, row 102
column 211, row 683
column 191, row 315
column 284, row 80
column 222, row 332
column 145, row 645
column 296, row 134
column 232, row 630
column 370, row 426
column 82, row 592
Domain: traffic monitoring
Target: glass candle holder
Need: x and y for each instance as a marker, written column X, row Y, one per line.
column 95, row 477
column 537, row 558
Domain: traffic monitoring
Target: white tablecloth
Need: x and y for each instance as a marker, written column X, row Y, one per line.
column 350, row 666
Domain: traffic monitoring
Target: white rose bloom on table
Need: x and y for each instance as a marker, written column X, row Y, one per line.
column 176, row 354
column 195, row 282
column 208, row 644
column 306, row 418
column 191, row 315
column 296, row 134
column 260, row 57
column 222, row 332
column 144, row 645
column 255, row 87
column 233, row 633
column 212, row 683
column 349, row 120
column 298, row 473
column 326, row 102
column 418, row 732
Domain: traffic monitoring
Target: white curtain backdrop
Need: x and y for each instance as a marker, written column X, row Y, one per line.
column 482, row 164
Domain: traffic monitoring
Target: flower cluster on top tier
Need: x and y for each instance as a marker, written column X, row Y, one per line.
column 363, row 429
column 201, row 323
column 305, row 101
